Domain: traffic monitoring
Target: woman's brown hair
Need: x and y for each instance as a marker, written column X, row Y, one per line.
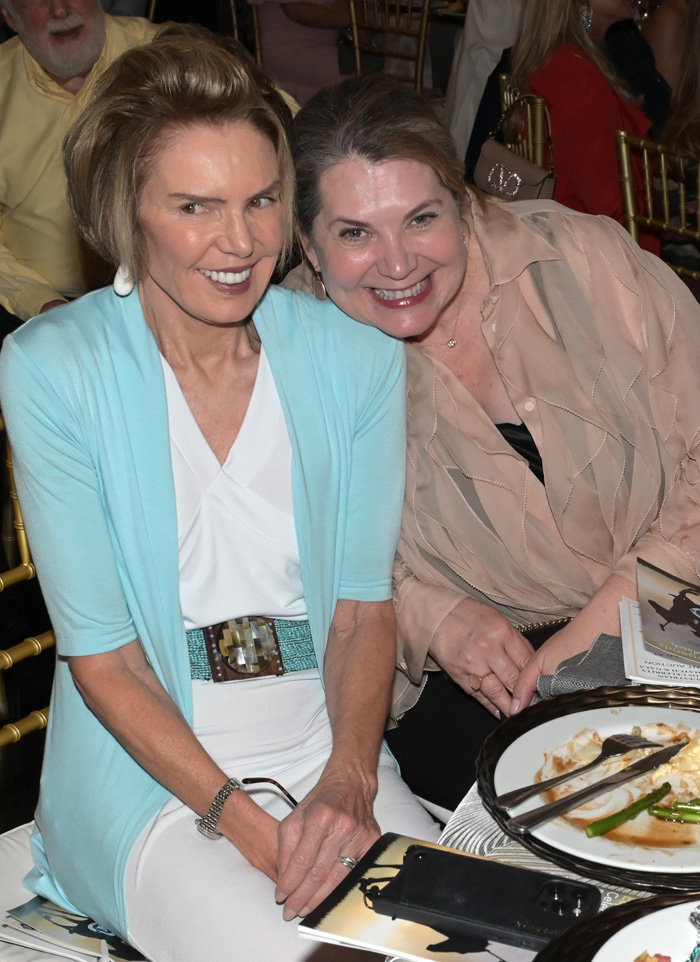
column 372, row 118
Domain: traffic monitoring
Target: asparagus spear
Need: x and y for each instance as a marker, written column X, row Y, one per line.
column 680, row 812
column 604, row 825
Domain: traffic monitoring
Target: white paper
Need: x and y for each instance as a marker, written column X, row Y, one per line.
column 11, row 932
column 643, row 665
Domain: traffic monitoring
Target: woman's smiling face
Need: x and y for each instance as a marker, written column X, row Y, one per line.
column 213, row 223
column 389, row 243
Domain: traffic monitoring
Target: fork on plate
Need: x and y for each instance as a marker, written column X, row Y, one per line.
column 613, row 745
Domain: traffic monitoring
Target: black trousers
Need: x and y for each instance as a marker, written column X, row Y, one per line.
column 438, row 741
column 8, row 323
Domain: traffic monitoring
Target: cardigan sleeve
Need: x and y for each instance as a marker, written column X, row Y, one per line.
column 377, row 481
column 67, row 524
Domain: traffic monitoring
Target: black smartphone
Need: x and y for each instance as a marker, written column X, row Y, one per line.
column 464, row 895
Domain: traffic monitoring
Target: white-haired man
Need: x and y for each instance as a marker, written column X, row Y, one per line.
column 46, row 73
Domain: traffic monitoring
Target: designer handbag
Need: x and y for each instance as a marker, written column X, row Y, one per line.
column 504, row 173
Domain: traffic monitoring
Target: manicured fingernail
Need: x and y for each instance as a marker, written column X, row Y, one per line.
column 288, row 914
column 515, row 706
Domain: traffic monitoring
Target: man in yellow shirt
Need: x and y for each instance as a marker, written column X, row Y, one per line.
column 46, row 75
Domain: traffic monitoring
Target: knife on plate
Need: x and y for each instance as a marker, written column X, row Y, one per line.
column 522, row 824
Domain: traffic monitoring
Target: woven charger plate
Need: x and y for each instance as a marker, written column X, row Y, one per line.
column 687, row 699
column 582, row 941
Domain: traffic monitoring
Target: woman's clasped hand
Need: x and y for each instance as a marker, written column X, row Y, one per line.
column 335, row 818
column 481, row 650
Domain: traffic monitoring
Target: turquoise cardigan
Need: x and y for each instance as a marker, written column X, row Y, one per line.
column 83, row 396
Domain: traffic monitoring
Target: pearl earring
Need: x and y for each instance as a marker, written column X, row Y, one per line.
column 123, row 282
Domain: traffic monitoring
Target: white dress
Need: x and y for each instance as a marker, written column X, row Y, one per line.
column 489, row 27
column 190, row 899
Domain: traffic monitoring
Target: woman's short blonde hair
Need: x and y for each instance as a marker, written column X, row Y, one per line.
column 373, row 118
column 186, row 76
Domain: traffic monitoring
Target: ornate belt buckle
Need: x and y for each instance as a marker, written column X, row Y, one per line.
column 243, row 648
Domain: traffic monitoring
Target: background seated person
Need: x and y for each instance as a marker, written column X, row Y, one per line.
column 553, row 411
column 682, row 134
column 300, row 42
column 47, row 73
column 559, row 56
column 682, row 131
column 489, row 29
column 666, row 32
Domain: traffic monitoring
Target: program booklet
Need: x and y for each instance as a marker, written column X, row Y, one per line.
column 661, row 631
column 41, row 925
column 346, row 917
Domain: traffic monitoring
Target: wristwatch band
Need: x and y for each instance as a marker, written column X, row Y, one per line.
column 207, row 825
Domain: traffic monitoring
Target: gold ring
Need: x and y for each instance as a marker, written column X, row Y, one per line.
column 475, row 681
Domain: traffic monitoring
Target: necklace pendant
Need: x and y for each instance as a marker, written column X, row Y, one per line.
column 452, row 342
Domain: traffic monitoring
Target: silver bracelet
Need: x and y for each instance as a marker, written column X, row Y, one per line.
column 207, row 825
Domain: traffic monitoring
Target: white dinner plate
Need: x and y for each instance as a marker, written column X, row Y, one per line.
column 667, row 932
column 524, row 757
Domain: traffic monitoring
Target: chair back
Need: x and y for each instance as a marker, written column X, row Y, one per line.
column 236, row 18
column 394, row 30
column 527, row 131
column 37, row 719
column 257, row 41
column 671, row 191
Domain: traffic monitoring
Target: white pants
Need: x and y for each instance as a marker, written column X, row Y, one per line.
column 190, row 899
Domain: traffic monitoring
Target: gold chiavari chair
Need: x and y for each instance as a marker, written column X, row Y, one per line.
column 237, row 12
column 527, row 132
column 669, row 206
column 13, row 731
column 257, row 42
column 398, row 29
column 38, row 719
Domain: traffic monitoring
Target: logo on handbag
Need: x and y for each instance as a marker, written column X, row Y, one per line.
column 504, row 181
column 504, row 171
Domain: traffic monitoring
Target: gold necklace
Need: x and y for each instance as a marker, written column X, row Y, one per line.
column 452, row 342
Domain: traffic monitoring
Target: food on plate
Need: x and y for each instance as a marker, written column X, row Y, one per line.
column 682, row 773
column 605, row 825
column 645, row 957
column 678, row 812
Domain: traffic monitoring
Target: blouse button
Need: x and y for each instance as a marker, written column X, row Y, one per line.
column 493, row 328
column 529, row 405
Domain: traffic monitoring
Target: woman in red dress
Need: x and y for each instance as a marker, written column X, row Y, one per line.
column 559, row 56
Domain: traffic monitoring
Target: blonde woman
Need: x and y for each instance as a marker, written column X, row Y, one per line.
column 559, row 56
column 666, row 31
column 220, row 612
column 683, row 128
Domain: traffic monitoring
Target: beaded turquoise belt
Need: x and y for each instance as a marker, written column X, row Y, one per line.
column 250, row 647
